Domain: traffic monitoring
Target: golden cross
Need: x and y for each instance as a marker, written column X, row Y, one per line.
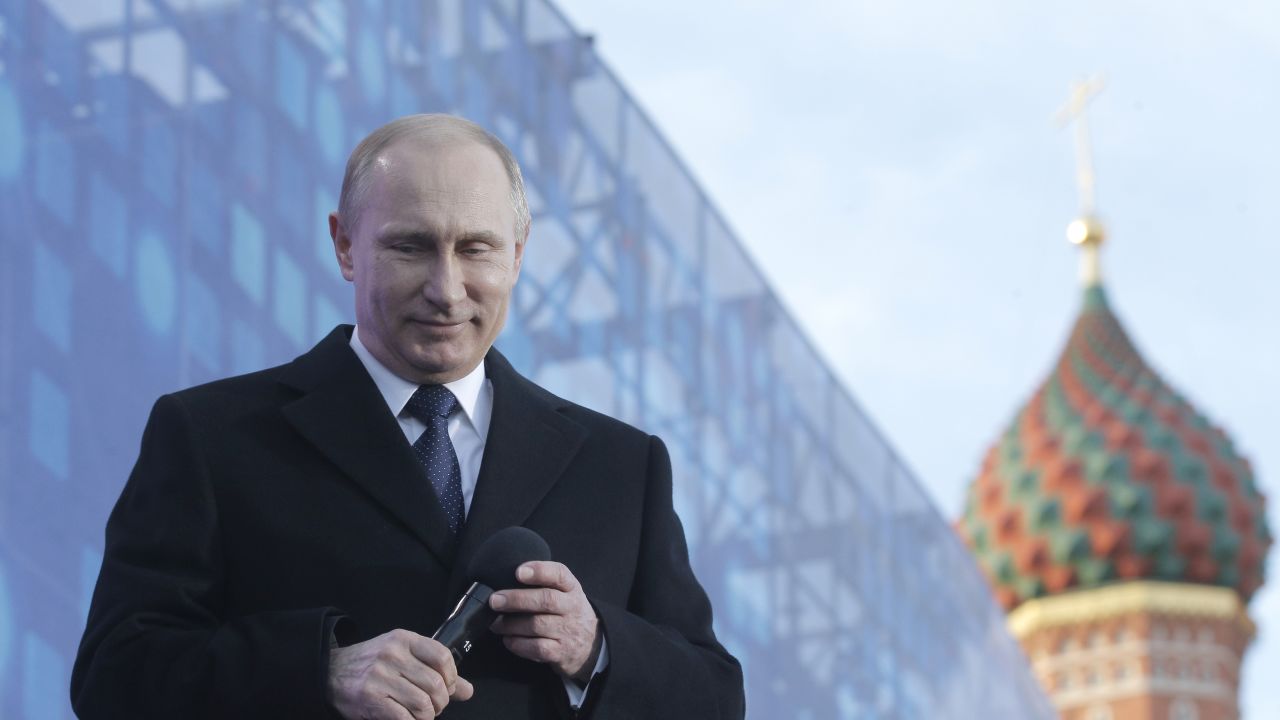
column 1081, row 93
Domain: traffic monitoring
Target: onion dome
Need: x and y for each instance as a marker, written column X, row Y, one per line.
column 1109, row 474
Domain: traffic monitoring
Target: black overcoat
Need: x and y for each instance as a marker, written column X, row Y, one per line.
column 268, row 510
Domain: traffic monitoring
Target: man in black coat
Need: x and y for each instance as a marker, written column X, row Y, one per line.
column 289, row 539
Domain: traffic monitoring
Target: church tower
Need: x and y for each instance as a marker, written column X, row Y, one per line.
column 1119, row 528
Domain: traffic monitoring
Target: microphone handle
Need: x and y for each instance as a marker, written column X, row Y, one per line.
column 469, row 620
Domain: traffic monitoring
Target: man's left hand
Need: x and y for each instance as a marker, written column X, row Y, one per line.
column 549, row 622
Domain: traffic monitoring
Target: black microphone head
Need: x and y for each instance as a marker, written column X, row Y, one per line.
column 497, row 558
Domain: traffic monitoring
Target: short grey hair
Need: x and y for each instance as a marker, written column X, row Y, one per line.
column 427, row 126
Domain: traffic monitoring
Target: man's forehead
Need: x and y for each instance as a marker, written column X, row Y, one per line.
column 437, row 148
column 461, row 169
column 455, row 172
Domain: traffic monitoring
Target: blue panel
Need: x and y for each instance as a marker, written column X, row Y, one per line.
column 155, row 283
column 291, row 191
column 404, row 101
column 108, row 224
column 290, row 289
column 51, row 284
column 478, row 105
column 7, row 627
column 514, row 342
column 248, row 352
column 324, row 316
column 55, row 173
column 90, row 564
column 250, row 146
column 329, row 124
column 249, row 48
column 44, row 680
column 61, row 60
column 12, row 142
column 326, row 202
column 49, row 431
column 13, row 16
column 331, row 19
column 370, row 64
column 444, row 77
column 248, row 253
column 160, row 160
column 113, row 95
column 206, row 208
column 291, row 81
column 203, row 321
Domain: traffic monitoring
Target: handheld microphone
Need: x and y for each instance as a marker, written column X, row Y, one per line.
column 492, row 568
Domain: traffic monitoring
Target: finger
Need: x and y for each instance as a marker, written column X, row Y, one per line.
column 412, row 698
column 541, row 650
column 534, row 600
column 547, row 626
column 437, row 657
column 425, row 684
column 389, row 708
column 547, row 573
column 464, row 690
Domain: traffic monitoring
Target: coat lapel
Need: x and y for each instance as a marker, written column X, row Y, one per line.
column 344, row 416
column 529, row 445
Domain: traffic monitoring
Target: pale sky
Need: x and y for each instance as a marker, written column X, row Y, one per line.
column 894, row 169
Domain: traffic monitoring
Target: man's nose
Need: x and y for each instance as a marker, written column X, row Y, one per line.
column 444, row 286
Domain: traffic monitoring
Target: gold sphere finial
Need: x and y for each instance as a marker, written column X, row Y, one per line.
column 1086, row 230
column 1087, row 233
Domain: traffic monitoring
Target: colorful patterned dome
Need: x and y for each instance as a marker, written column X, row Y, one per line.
column 1109, row 474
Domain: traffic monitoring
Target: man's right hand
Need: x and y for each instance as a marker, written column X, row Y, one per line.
column 398, row 676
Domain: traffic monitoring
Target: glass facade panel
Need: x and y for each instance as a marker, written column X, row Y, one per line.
column 165, row 168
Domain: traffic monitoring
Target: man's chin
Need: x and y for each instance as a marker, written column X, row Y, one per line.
column 438, row 368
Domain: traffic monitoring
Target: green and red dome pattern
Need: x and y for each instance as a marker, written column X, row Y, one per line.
column 1109, row 474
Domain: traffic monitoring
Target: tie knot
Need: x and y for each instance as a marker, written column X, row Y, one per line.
column 430, row 401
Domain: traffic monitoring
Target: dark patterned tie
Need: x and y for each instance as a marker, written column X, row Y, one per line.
column 432, row 404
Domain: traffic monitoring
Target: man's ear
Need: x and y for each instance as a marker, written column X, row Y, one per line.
column 520, row 252
column 520, row 256
column 342, row 247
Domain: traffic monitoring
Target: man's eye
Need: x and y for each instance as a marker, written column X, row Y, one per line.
column 473, row 251
column 406, row 249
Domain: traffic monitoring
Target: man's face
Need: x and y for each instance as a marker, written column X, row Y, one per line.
column 434, row 257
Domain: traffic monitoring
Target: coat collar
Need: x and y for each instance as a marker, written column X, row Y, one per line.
column 530, row 443
column 341, row 412
column 344, row 416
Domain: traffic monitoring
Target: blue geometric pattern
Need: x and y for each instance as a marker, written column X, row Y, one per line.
column 45, row 677
column 165, row 172
column 108, row 226
column 248, row 253
column 11, row 135
column 55, row 172
column 290, row 289
column 52, row 302
column 154, row 282
column 8, row 629
column 49, row 425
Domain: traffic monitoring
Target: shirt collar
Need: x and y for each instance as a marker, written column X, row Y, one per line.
column 397, row 391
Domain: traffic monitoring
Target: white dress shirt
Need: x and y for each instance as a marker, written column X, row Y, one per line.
column 468, row 430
